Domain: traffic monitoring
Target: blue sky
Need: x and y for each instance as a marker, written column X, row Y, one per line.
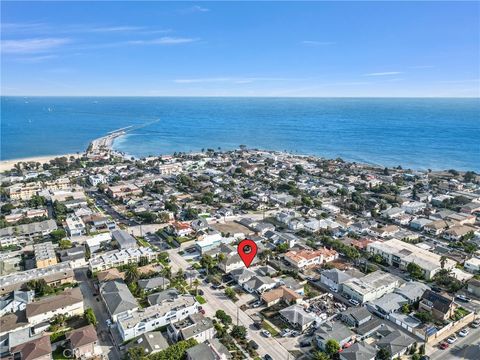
column 241, row 49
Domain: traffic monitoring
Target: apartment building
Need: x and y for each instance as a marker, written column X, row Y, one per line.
column 307, row 258
column 116, row 258
column 399, row 254
column 27, row 232
column 371, row 286
column 44, row 254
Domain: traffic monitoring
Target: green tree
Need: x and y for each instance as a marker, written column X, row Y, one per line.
column 383, row 354
column 90, row 317
column 230, row 293
column 131, row 274
column 239, row 332
column 223, row 317
column 443, row 261
column 136, row 353
column 65, row 244
column 406, row 309
column 424, row 316
column 320, row 355
column 196, row 283
column 332, row 347
column 40, row 287
column 174, row 352
column 415, row 271
column 58, row 235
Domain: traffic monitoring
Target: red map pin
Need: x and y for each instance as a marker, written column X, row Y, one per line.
column 247, row 249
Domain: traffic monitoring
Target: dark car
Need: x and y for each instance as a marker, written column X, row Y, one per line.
column 253, row 344
column 305, row 343
column 267, row 357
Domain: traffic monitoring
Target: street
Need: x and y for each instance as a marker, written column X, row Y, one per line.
column 467, row 348
column 101, row 314
column 216, row 300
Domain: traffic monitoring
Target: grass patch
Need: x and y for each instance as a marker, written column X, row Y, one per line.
column 196, row 266
column 143, row 242
column 460, row 313
column 58, row 354
column 269, row 328
column 201, row 299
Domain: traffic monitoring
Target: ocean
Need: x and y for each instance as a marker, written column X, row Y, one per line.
column 415, row 133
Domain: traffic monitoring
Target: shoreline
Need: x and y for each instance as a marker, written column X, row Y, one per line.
column 6, row 165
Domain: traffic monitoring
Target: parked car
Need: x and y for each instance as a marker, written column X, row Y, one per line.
column 294, row 333
column 305, row 343
column 444, row 345
column 452, row 339
column 267, row 357
column 476, row 323
column 463, row 298
column 285, row 332
column 463, row 332
column 253, row 344
column 257, row 304
column 354, row 302
column 266, row 333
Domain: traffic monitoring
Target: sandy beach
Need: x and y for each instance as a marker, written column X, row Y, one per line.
column 8, row 164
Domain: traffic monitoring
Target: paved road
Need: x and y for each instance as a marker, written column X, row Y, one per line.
column 467, row 348
column 216, row 299
column 100, row 313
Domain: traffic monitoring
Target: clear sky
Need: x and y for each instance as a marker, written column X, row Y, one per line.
column 241, row 48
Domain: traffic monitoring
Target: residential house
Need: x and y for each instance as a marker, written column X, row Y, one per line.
column 308, row 258
column 472, row 265
column 195, row 326
column 75, row 226
column 124, row 240
column 395, row 342
column 387, row 304
column 70, row 302
column 74, row 255
column 297, row 317
column 123, row 191
column 334, row 279
column 412, row 291
column 181, row 228
column 151, row 284
column 333, row 330
column 53, row 275
column 210, row 350
column 356, row 316
column 44, row 254
column 118, row 299
column 371, row 286
column 151, row 342
column 83, row 342
column 281, row 293
column 27, row 232
column 441, row 307
column 259, row 284
column 161, row 314
column 359, row 351
column 116, row 258
column 94, row 243
column 473, row 287
column 242, row 275
column 15, row 301
column 37, row 349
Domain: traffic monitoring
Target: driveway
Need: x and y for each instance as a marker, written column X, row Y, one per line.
column 100, row 311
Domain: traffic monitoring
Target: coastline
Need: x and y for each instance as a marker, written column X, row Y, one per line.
column 6, row 165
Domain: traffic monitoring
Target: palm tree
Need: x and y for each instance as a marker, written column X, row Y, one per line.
column 167, row 272
column 131, row 274
column 443, row 260
column 196, row 283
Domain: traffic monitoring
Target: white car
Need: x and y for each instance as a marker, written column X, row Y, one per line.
column 257, row 304
column 285, row 332
column 354, row 302
column 266, row 333
column 476, row 323
column 452, row 339
column 463, row 332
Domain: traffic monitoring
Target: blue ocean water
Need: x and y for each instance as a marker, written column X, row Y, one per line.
column 416, row 133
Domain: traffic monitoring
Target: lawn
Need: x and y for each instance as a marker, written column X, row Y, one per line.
column 269, row 328
column 58, row 354
column 143, row 242
column 200, row 299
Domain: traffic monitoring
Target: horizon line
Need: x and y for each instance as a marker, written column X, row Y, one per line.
column 250, row 96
